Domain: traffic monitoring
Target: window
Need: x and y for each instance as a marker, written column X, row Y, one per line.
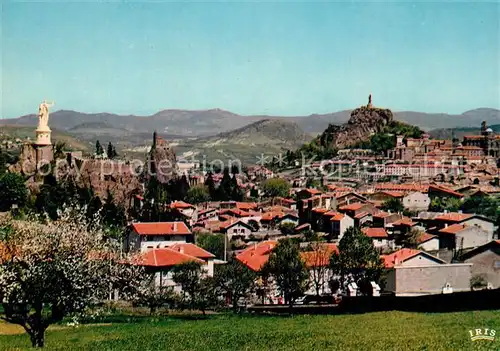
column 496, row 264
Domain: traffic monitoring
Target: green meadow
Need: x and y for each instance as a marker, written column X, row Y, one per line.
column 372, row 331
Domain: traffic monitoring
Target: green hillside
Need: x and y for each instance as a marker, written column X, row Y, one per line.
column 23, row 132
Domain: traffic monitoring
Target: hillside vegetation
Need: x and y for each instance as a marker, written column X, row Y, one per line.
column 268, row 137
column 23, row 132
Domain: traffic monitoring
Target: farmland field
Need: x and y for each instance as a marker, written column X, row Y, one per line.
column 373, row 331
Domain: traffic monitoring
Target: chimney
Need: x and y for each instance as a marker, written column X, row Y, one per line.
column 175, row 227
column 181, row 249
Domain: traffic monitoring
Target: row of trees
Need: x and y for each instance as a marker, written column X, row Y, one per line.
column 110, row 150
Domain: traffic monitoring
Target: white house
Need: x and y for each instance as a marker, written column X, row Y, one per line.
column 416, row 201
column 379, row 237
column 428, row 242
column 463, row 236
column 161, row 261
column 190, row 212
column 237, row 227
column 340, row 222
column 154, row 235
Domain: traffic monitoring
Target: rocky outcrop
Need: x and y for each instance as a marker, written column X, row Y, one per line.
column 120, row 179
column 364, row 122
column 162, row 161
column 26, row 164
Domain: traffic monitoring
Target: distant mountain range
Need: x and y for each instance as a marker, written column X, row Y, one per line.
column 184, row 123
column 447, row 133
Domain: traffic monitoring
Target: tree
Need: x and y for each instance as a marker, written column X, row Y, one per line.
column 99, row 151
column 198, row 194
column 57, row 269
column 235, row 280
column 213, row 243
column 197, row 292
column 225, row 189
column 111, row 151
column 411, row 238
column 13, row 191
column 319, row 259
column 357, row 259
column 275, row 187
column 287, row 228
column 288, row 270
column 439, row 204
column 59, row 149
column 394, row 205
column 6, row 159
column 113, row 217
column 51, row 198
column 153, row 296
column 209, row 182
column 254, row 225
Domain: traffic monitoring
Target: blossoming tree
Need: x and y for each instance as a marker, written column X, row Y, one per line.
column 58, row 268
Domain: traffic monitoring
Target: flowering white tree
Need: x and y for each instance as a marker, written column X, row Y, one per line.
column 54, row 269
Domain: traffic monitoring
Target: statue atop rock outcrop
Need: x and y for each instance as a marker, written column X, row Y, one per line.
column 369, row 101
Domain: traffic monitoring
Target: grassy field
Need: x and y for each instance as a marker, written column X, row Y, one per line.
column 374, row 331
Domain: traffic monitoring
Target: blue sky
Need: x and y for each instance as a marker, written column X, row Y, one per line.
column 250, row 58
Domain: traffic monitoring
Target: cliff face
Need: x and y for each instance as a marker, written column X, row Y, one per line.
column 27, row 161
column 162, row 161
column 364, row 122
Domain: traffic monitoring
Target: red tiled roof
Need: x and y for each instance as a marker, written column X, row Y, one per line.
column 312, row 191
column 192, row 250
column 445, row 190
column 405, row 221
column 180, row 205
column 257, row 255
column 302, row 226
column 230, row 223
column 398, row 257
column 320, row 257
column 246, row 205
column 161, row 228
column 269, row 216
column 202, row 212
column 361, row 214
column 375, row 232
column 336, row 216
column 352, row 207
column 382, row 214
column 320, row 210
column 454, row 217
column 402, row 187
column 396, row 194
column 164, row 258
column 425, row 237
column 453, row 229
column 234, row 212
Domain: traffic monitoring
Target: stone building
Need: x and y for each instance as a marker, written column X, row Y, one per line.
column 487, row 141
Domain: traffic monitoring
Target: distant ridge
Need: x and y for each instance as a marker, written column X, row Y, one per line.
column 211, row 122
